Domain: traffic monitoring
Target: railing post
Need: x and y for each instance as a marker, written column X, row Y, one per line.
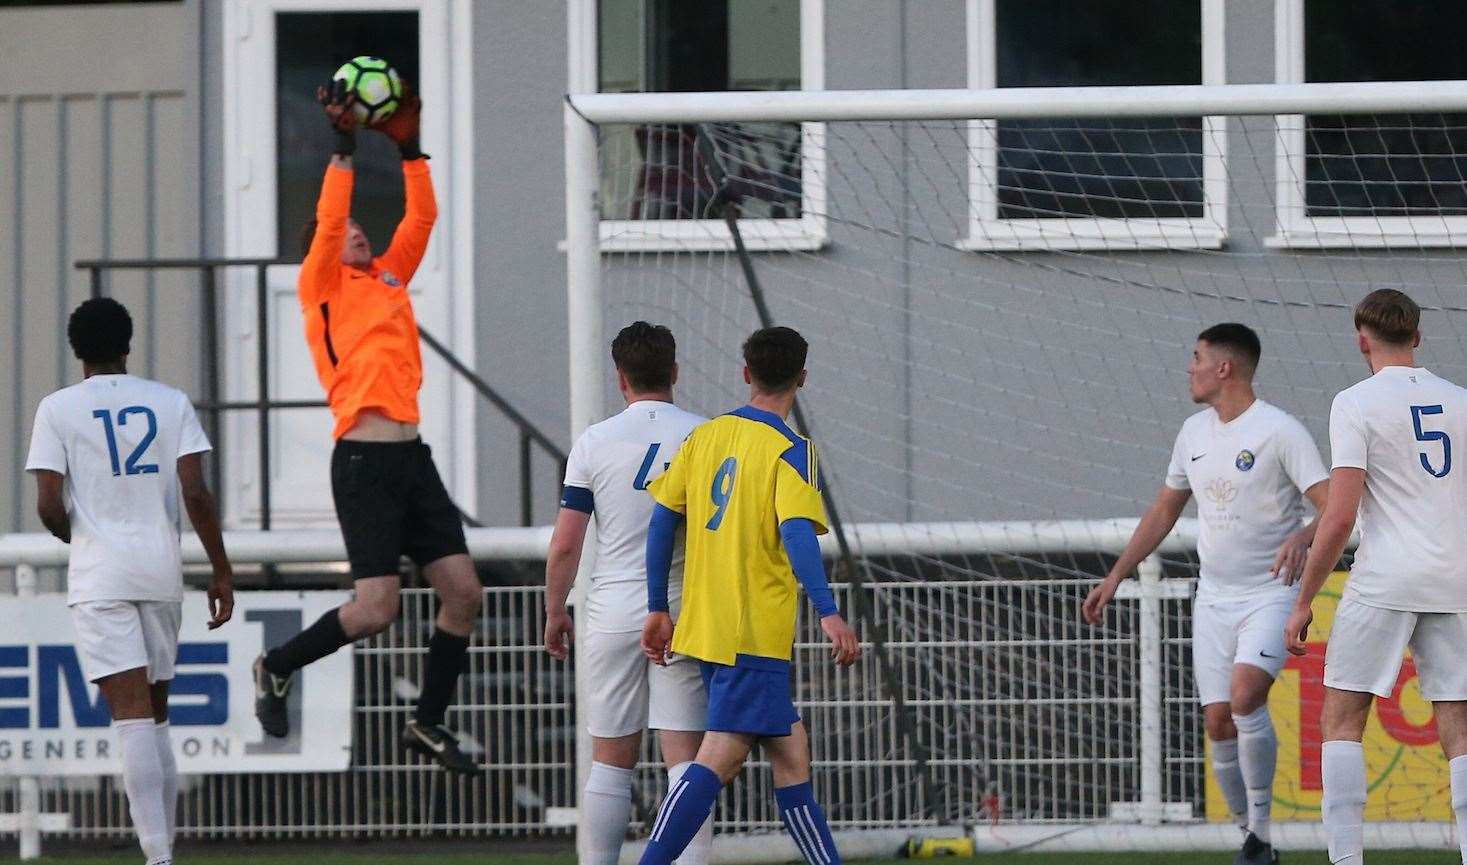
column 30, row 787
column 262, row 387
column 96, row 281
column 211, row 374
column 1149, row 608
column 527, row 502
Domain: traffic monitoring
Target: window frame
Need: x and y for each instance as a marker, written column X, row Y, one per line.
column 808, row 232
column 988, row 232
column 1294, row 228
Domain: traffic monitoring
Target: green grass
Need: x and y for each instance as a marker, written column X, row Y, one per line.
column 392, row 856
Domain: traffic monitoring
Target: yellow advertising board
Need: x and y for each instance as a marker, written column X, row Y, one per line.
column 1405, row 769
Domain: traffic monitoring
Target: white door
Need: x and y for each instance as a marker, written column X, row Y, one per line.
column 276, row 151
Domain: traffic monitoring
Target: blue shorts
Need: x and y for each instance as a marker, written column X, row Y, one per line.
column 751, row 697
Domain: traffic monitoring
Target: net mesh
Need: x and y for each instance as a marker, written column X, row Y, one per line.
column 1000, row 317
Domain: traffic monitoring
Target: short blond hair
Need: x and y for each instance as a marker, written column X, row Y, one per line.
column 1390, row 315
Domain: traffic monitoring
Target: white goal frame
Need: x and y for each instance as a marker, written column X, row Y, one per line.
column 589, row 373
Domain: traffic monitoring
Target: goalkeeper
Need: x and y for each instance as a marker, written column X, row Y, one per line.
column 748, row 487
column 389, row 498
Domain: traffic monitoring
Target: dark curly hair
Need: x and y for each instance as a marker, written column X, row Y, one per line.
column 100, row 331
column 646, row 354
column 775, row 356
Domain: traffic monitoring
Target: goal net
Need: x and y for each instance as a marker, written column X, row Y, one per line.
column 1001, row 313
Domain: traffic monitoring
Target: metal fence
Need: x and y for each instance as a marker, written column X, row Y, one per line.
column 213, row 405
column 1029, row 716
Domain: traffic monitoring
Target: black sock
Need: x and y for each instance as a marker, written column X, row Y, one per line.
column 446, row 655
column 312, row 644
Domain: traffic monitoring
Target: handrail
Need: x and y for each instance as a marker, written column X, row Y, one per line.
column 1106, row 536
column 212, row 404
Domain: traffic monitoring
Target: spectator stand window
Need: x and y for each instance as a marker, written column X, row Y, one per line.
column 656, row 186
column 1076, row 184
column 1380, row 180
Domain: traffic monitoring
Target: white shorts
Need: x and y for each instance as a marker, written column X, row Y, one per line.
column 114, row 636
column 1367, row 645
column 1246, row 631
column 629, row 694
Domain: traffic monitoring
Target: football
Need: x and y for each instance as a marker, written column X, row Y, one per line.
column 376, row 86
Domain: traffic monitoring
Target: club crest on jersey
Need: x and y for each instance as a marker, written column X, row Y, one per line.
column 391, row 279
column 1244, row 462
column 1220, row 491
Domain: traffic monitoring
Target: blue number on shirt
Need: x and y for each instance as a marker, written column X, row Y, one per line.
column 723, row 483
column 641, row 482
column 132, row 466
column 1432, row 435
column 106, row 418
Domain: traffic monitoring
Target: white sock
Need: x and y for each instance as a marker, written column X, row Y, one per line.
column 1230, row 779
column 170, row 778
column 1458, row 766
column 701, row 847
column 1258, row 755
column 142, row 777
column 1343, row 773
column 605, row 812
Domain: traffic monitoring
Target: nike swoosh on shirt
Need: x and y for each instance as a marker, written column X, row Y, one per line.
column 1267, row 655
column 1198, row 457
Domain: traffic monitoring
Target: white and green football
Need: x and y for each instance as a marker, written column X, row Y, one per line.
column 375, row 85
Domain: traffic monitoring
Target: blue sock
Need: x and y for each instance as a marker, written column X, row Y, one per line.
column 688, row 804
column 806, row 824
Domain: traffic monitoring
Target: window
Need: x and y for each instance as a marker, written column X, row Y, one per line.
column 1095, row 183
column 309, row 46
column 1376, row 180
column 658, row 181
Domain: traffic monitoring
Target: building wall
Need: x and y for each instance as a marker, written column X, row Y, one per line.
column 519, row 81
column 1071, row 396
column 951, row 385
column 99, row 157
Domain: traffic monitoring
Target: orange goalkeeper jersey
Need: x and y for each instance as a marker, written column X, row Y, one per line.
column 359, row 323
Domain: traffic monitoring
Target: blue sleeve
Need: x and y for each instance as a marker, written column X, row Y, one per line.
column 661, row 536
column 804, row 553
column 578, row 499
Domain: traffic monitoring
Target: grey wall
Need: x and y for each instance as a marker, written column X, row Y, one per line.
column 951, row 385
column 519, row 79
column 947, row 385
column 99, row 157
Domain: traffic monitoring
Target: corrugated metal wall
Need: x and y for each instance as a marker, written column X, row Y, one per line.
column 99, row 157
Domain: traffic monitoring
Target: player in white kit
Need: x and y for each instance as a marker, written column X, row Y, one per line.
column 109, row 455
column 1391, row 441
column 607, row 475
column 1251, row 466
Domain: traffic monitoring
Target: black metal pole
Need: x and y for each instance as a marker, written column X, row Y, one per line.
column 96, row 281
column 527, row 503
column 864, row 607
column 210, row 327
column 262, row 387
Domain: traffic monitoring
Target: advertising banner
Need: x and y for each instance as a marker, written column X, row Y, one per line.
column 1407, row 775
column 54, row 722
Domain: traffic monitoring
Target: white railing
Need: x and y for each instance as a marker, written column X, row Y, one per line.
column 530, row 544
column 966, row 664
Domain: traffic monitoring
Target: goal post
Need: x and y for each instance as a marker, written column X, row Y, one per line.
column 1002, row 288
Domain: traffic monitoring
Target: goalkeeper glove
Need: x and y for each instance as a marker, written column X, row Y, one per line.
column 402, row 127
column 337, row 101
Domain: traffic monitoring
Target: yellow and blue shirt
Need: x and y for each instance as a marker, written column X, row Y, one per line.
column 736, row 480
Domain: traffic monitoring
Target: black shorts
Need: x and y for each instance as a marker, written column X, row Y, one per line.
column 391, row 503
